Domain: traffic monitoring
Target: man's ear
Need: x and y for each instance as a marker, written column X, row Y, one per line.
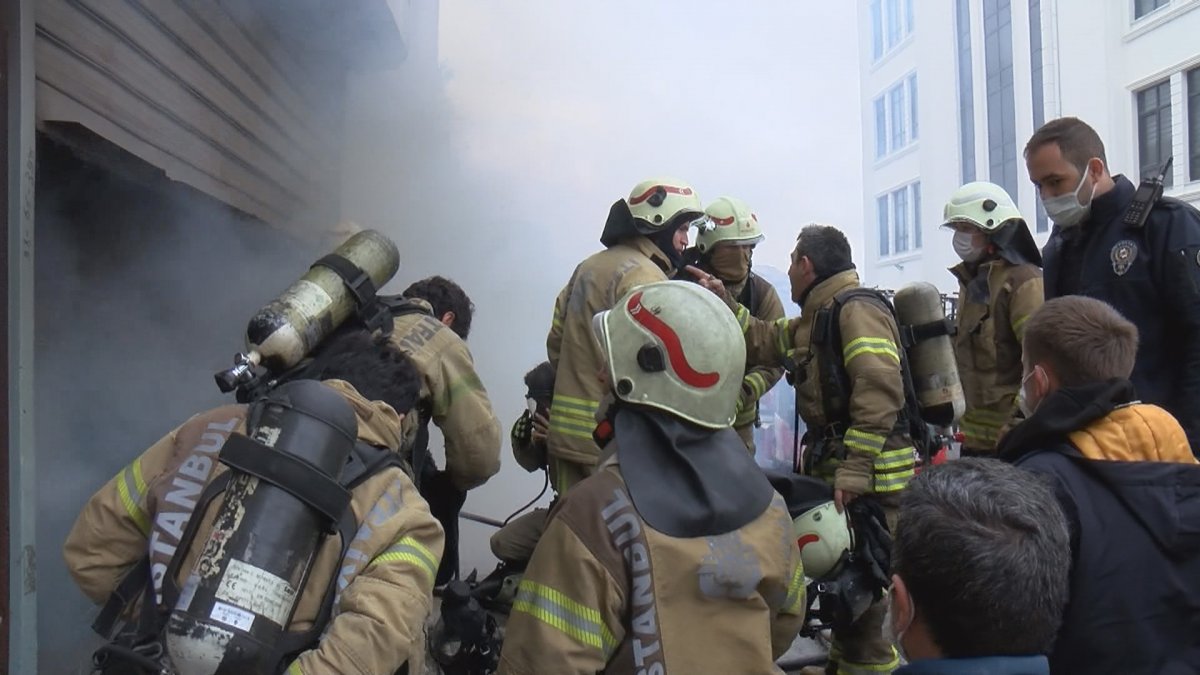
column 903, row 610
column 448, row 319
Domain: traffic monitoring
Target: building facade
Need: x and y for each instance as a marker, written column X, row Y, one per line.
column 951, row 91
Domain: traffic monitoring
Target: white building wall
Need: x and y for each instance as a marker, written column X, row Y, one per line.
column 1095, row 58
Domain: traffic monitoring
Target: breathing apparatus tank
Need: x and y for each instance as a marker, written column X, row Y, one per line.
column 288, row 328
column 282, row 499
column 926, row 332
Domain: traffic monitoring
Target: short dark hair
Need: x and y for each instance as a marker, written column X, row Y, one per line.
column 539, row 383
column 445, row 296
column 1077, row 141
column 373, row 365
column 984, row 550
column 1083, row 340
column 827, row 247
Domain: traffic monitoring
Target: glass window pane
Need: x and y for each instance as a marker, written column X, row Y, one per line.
column 900, row 219
column 881, row 208
column 917, row 222
column 966, row 92
column 881, row 147
column 896, row 117
column 912, row 107
column 876, row 30
column 1193, row 113
column 893, row 23
column 909, row 19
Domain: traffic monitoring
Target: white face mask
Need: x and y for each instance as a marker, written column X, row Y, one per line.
column 1023, row 399
column 890, row 633
column 964, row 246
column 1067, row 210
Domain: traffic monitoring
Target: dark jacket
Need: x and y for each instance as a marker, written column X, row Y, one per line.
column 1152, row 277
column 990, row 665
column 1135, row 542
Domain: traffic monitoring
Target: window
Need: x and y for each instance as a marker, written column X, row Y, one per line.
column 891, row 22
column 1039, row 99
column 1154, row 128
column 1143, row 7
column 966, row 94
column 896, row 117
column 1001, row 99
column 899, row 217
column 1193, row 113
column 881, row 207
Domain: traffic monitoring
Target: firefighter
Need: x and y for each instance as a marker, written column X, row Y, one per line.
column 644, row 238
column 386, row 577
column 454, row 399
column 724, row 248
column 1000, row 287
column 851, row 394
column 676, row 555
column 513, row 544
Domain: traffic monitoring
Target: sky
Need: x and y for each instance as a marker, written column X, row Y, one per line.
column 543, row 113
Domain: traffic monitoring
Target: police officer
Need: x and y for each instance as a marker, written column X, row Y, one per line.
column 644, row 238
column 676, row 556
column 1000, row 287
column 725, row 248
column 1149, row 273
column 386, row 577
column 851, row 394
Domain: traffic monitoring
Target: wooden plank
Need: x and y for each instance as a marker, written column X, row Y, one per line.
column 93, row 90
column 131, row 75
column 190, row 65
column 260, row 57
column 277, row 103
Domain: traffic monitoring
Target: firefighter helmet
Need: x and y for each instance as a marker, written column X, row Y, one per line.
column 659, row 202
column 674, row 346
column 729, row 219
column 824, row 536
column 984, row 205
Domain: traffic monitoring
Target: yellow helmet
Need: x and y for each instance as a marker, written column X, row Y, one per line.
column 674, row 346
column 657, row 202
column 984, row 205
column 729, row 219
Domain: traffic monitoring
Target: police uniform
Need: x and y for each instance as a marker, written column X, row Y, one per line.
column 1151, row 276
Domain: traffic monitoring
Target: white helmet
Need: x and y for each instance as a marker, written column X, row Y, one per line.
column 729, row 219
column 674, row 346
column 984, row 205
column 656, row 202
column 823, row 535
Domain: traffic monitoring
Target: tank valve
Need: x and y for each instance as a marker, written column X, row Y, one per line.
column 240, row 374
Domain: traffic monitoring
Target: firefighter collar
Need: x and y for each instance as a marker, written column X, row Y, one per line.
column 822, row 293
column 687, row 481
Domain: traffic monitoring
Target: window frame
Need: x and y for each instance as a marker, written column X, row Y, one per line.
column 892, row 23
column 900, row 203
column 899, row 105
column 1191, row 79
column 1163, row 117
column 1150, row 12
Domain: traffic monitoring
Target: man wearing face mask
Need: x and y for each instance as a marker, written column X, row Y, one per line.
column 1000, row 286
column 980, row 567
column 644, row 238
column 1129, row 486
column 1150, row 274
column 724, row 248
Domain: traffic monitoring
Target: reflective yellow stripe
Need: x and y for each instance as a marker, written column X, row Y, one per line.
column 869, row 345
column 894, row 458
column 294, row 669
column 556, row 322
column 411, row 551
column 781, row 333
column 869, row 668
column 757, row 384
column 796, row 593
column 1019, row 324
column 892, row 482
column 131, row 487
column 581, row 405
column 569, row 424
column 556, row 610
column 864, row 441
column 743, row 317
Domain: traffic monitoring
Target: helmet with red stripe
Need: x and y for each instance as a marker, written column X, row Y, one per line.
column 661, row 202
column 729, row 219
column 676, row 347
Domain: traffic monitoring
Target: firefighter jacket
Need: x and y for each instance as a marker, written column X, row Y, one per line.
column 596, row 285
column 759, row 379
column 1130, row 489
column 869, row 450
column 384, row 583
column 1151, row 275
column 994, row 301
column 605, row 592
column 454, row 396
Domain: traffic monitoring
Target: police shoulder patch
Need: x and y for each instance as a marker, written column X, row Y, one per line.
column 1123, row 254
